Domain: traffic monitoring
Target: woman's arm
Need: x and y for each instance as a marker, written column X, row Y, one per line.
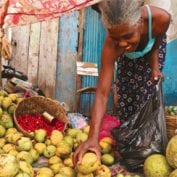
column 153, row 59
column 160, row 26
column 109, row 54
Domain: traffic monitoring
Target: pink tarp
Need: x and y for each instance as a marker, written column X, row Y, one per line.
column 21, row 12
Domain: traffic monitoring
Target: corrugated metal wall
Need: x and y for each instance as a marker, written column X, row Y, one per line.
column 94, row 34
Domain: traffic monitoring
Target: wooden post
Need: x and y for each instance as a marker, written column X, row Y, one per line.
column 79, row 57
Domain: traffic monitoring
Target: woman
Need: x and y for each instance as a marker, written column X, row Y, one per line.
column 135, row 35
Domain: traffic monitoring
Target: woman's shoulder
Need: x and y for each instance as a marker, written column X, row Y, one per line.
column 160, row 20
column 160, row 13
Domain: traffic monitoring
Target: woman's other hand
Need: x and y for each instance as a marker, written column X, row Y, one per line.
column 156, row 74
column 91, row 145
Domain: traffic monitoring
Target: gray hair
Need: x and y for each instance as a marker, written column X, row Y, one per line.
column 117, row 12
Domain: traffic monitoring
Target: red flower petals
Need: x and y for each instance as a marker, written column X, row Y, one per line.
column 30, row 123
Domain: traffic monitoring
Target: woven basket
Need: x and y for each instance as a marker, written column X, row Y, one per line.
column 171, row 123
column 38, row 105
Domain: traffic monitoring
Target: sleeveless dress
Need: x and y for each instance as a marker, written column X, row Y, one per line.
column 134, row 86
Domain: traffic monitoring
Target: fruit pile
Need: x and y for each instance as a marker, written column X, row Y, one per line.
column 8, row 103
column 171, row 110
column 58, row 149
column 164, row 166
column 18, row 153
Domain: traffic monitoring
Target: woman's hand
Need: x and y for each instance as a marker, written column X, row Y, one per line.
column 156, row 74
column 90, row 145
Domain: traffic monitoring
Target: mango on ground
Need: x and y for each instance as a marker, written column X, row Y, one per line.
column 89, row 163
column 26, row 168
column 105, row 147
column 9, row 165
column 68, row 171
column 63, row 150
column 49, row 151
column 6, row 102
column 107, row 159
column 56, row 137
column 25, row 156
column 40, row 135
column 81, row 137
column 34, row 153
column 73, row 132
column 2, row 131
column 54, row 159
column 83, row 175
column 102, row 171
column 24, row 144
column 56, row 167
column 46, row 171
column 8, row 147
column 6, row 121
column 40, row 147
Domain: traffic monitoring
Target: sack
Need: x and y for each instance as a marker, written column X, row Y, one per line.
column 108, row 123
column 144, row 133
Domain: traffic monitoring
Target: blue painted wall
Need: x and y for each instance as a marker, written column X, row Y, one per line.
column 94, row 34
column 170, row 72
column 67, row 57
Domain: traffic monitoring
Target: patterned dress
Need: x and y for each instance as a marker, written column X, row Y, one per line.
column 133, row 82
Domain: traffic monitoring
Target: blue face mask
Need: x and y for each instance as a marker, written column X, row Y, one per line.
column 150, row 44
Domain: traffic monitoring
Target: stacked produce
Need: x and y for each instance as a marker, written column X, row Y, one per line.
column 158, row 165
column 171, row 123
column 8, row 104
column 21, row 152
column 14, row 157
column 171, row 110
column 18, row 152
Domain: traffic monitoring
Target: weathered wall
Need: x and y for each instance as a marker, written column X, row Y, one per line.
column 35, row 53
column 67, row 57
column 47, row 53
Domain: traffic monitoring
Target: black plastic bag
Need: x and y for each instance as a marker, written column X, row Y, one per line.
column 144, row 133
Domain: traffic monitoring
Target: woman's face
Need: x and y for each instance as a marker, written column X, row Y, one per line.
column 126, row 37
